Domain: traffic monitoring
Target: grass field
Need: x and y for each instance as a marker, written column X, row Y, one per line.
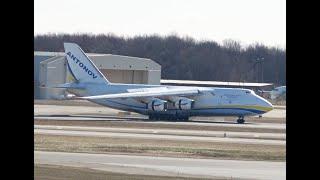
column 53, row 172
column 159, row 147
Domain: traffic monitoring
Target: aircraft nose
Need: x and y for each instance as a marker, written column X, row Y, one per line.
column 266, row 104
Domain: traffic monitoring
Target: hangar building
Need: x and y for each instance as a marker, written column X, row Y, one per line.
column 50, row 69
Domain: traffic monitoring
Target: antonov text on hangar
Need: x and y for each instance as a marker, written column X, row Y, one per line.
column 50, row 69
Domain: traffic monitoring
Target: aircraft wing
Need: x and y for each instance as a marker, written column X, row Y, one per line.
column 143, row 94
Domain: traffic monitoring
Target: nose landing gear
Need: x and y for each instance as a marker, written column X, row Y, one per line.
column 240, row 120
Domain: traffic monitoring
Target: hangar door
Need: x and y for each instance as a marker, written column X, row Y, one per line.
column 52, row 72
column 125, row 76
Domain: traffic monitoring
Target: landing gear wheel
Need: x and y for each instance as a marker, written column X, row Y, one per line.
column 185, row 118
column 172, row 118
column 240, row 120
column 152, row 117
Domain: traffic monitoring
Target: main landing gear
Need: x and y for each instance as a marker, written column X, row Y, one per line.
column 168, row 117
column 240, row 120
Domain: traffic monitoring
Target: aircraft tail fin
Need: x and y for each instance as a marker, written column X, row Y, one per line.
column 81, row 67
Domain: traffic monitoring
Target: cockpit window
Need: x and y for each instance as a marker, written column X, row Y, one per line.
column 248, row 92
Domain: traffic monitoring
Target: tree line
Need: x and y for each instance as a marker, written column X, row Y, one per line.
column 183, row 57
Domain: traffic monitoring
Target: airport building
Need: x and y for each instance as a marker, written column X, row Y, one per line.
column 50, row 69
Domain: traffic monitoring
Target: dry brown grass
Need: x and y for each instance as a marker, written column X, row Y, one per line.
column 159, row 147
column 53, row 172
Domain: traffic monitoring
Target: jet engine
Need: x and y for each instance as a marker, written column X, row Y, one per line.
column 184, row 104
column 157, row 105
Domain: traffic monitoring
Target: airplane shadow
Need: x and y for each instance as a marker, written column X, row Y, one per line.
column 217, row 122
column 140, row 119
column 109, row 118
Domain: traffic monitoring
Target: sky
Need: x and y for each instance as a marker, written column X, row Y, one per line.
column 246, row 21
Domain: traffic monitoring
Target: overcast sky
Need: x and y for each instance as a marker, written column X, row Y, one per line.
column 247, row 21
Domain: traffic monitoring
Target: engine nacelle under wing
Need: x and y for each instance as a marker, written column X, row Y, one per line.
column 157, row 105
column 184, row 104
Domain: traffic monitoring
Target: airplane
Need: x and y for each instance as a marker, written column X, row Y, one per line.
column 158, row 102
column 276, row 93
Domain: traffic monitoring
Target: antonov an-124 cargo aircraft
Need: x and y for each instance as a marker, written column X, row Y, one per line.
column 158, row 101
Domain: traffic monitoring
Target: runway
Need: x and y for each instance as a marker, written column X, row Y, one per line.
column 166, row 166
column 98, row 113
column 73, row 110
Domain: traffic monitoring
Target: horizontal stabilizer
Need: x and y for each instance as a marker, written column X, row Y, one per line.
column 67, row 86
